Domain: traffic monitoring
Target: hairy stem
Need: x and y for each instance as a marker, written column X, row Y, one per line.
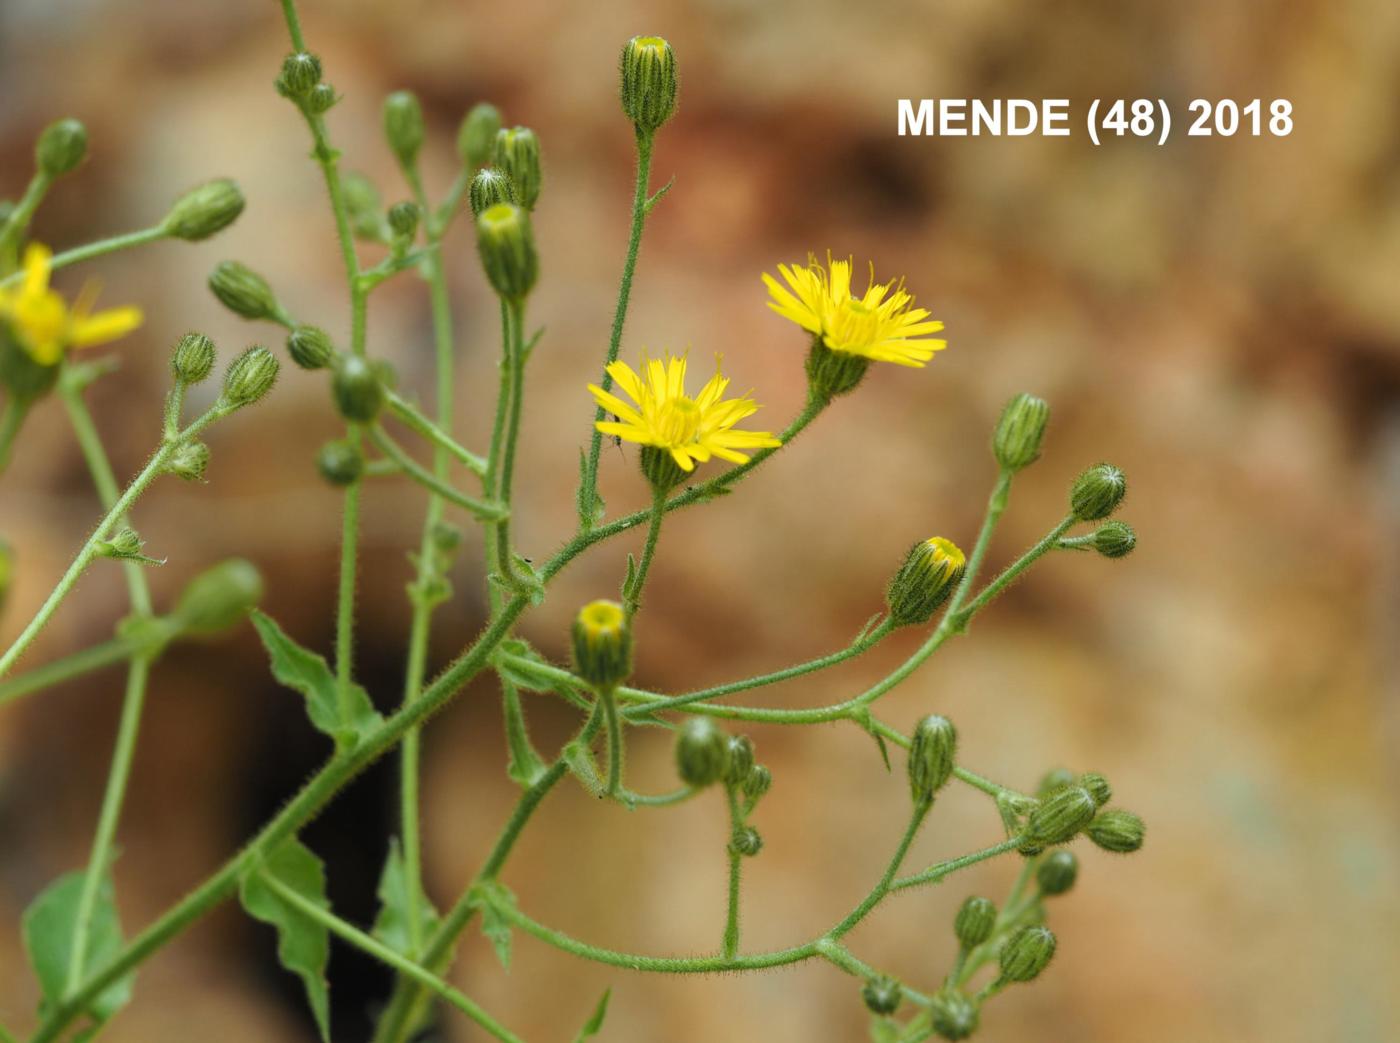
column 98, row 248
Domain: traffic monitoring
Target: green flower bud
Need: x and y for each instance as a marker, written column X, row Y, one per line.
column 758, row 782
column 321, row 99
column 340, row 463
column 193, row 359
column 218, row 598
column 974, row 922
column 517, row 155
column 507, row 247
column 61, row 147
column 300, row 73
column 1016, row 443
column 833, row 373
column 189, row 462
column 1117, row 830
column 1027, row 953
column 310, row 347
column 746, row 842
column 446, row 537
column 1097, row 492
column 243, row 291
column 882, row 996
column 476, row 139
column 203, row 211
column 356, row 387
column 1057, row 873
column 953, row 1015
column 1098, row 787
column 249, row 377
column 488, row 188
column 602, row 638
column 649, row 83
column 1115, row 539
column 931, row 572
column 1061, row 816
column 126, row 544
column 7, row 571
column 700, row 752
column 1057, row 778
column 931, row 756
column 364, row 207
column 403, row 126
column 739, row 760
column 403, row 219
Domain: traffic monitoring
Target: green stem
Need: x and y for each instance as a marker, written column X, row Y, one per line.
column 386, row 955
column 588, row 491
column 921, row 810
column 633, row 597
column 6, row 1036
column 99, row 248
column 505, row 477
column 730, row 944
column 607, row 698
column 345, row 598
column 413, row 418
column 937, row 872
column 76, row 665
column 433, row 482
column 18, row 221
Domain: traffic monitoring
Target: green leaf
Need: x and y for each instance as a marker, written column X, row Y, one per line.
column 525, row 766
column 303, row 944
column 48, row 927
column 630, row 578
column 594, row 1024
column 580, row 762
column 493, row 924
column 519, row 664
column 304, row 671
column 867, row 722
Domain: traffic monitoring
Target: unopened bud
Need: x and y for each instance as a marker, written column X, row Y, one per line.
column 517, row 155
column 649, row 82
column 931, row 756
column 739, row 760
column 310, row 347
column 189, row 462
column 1061, row 816
column 1097, row 492
column 1057, row 873
column 1056, row 778
column 931, row 572
column 1117, row 830
column 952, row 1015
column 203, row 211
column 1098, row 787
column 882, row 996
column 193, row 358
column 700, row 752
column 489, row 187
column 974, row 922
column 602, row 640
column 746, row 841
column 321, row 99
column 403, row 126
column 250, row 376
column 403, row 219
column 61, row 147
column 1114, row 539
column 364, row 206
column 758, row 782
column 126, row 544
column 356, row 387
column 1016, row 443
column 340, row 463
column 300, row 73
column 218, row 598
column 1027, row 953
column 476, row 139
column 243, row 291
column 507, row 247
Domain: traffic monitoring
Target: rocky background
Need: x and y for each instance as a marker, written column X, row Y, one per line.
column 1221, row 318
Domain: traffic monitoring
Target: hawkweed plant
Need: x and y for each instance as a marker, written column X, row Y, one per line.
column 693, row 449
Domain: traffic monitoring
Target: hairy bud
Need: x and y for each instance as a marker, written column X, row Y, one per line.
column 249, row 377
column 649, row 82
column 1057, row 873
column 1061, row 816
column 974, row 922
column 738, row 760
column 403, row 126
column 882, row 996
column 602, row 641
column 60, row 147
column 1114, row 539
column 476, row 138
column 189, row 462
column 931, row 572
column 1097, row 492
column 746, row 841
column 1098, row 787
column 403, row 219
column 356, row 387
column 931, row 756
column 489, row 187
column 300, row 73
column 1117, row 830
column 1016, row 442
column 517, row 155
column 1027, row 953
column 243, row 291
column 218, row 598
column 952, row 1015
column 700, row 752
column 203, row 211
column 758, row 782
column 193, row 358
column 340, row 462
column 507, row 247
column 310, row 347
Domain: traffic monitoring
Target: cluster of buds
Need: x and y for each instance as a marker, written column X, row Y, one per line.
column 300, row 81
column 705, row 755
column 1069, row 805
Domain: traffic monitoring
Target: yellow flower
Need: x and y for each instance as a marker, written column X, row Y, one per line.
column 44, row 324
column 664, row 416
column 881, row 324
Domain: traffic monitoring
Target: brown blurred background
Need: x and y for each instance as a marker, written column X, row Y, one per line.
column 1218, row 317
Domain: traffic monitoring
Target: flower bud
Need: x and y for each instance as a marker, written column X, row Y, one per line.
column 218, row 598
column 882, row 996
column 739, row 760
column 357, row 390
column 832, row 373
column 203, row 211
column 931, row 572
column 602, row 644
column 321, row 99
column 476, row 139
column 953, row 1016
column 974, row 922
column 1060, row 816
column 517, row 155
column 249, row 377
column 1016, row 443
column 700, row 752
column 746, row 841
column 1057, row 873
column 931, row 754
column 1097, row 492
column 340, row 463
column 507, row 247
column 1057, row 778
column 649, row 83
column 61, row 147
column 310, row 347
column 403, row 126
column 243, row 291
column 1117, row 830
column 446, row 537
column 125, row 544
column 1027, row 953
column 488, row 188
column 300, row 73
column 364, row 207
column 189, row 462
column 1098, row 787
column 403, row 219
column 758, row 782
column 1114, row 539
column 193, row 359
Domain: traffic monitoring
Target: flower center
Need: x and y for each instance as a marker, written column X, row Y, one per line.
column 678, row 421
column 852, row 324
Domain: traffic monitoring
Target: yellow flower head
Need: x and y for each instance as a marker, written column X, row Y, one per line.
column 45, row 325
column 881, row 324
column 664, row 416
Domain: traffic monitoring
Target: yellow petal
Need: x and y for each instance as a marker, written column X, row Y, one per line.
column 105, row 326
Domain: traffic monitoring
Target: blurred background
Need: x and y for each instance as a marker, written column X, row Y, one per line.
column 1218, row 317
